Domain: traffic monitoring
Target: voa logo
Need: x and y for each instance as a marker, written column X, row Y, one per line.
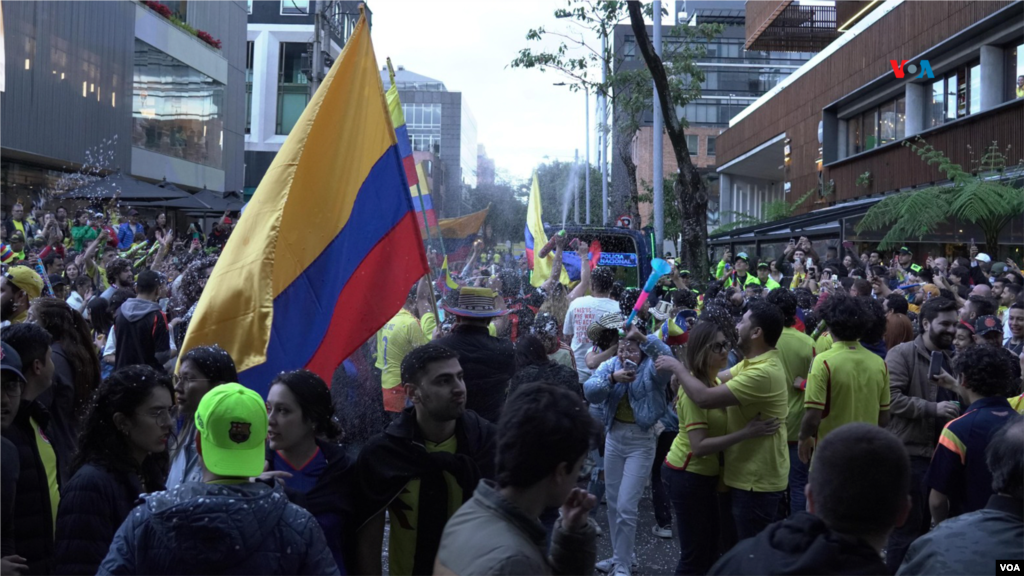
column 899, row 66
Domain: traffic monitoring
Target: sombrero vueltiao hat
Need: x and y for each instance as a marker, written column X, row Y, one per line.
column 476, row 303
column 610, row 321
column 662, row 310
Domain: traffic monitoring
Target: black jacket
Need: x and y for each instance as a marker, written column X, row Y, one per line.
column 33, row 517
column 59, row 400
column 488, row 363
column 800, row 544
column 142, row 336
column 9, row 471
column 93, row 504
column 391, row 459
column 321, row 501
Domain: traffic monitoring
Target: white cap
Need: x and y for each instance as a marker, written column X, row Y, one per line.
column 982, row 257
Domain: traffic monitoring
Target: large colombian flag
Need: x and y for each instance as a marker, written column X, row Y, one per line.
column 421, row 201
column 329, row 244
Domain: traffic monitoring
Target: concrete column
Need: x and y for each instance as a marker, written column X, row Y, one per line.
column 992, row 77
column 724, row 195
column 917, row 108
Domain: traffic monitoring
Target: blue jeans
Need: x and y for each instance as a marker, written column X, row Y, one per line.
column 695, row 503
column 797, row 481
column 754, row 511
column 628, row 455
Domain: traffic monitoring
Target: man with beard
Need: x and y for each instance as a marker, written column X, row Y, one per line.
column 119, row 274
column 18, row 286
column 756, row 469
column 920, row 409
column 420, row 470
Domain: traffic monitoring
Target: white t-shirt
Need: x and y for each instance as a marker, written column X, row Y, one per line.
column 583, row 312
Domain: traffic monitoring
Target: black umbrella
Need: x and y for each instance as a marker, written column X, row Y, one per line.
column 130, row 189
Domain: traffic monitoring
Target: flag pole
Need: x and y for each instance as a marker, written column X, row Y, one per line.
column 430, row 276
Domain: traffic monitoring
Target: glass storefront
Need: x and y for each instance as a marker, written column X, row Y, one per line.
column 176, row 110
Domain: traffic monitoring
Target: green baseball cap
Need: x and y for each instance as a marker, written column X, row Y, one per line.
column 232, row 424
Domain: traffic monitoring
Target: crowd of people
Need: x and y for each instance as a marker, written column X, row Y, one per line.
column 800, row 415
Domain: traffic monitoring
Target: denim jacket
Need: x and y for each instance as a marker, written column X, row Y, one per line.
column 646, row 393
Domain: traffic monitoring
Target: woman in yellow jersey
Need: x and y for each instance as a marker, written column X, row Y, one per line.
column 691, row 469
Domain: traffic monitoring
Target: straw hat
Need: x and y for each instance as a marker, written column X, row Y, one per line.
column 476, row 303
column 610, row 321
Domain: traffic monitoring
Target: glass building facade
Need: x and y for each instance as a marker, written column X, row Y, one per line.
column 177, row 111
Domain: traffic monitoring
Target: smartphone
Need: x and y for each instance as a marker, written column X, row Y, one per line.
column 935, row 367
column 629, row 365
column 810, row 261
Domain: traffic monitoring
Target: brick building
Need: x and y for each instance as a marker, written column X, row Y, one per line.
column 837, row 125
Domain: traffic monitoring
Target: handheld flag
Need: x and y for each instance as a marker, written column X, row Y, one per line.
column 535, row 236
column 447, row 276
column 421, row 201
column 329, row 245
column 460, row 233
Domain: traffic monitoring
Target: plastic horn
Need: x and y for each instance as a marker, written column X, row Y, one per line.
column 46, row 279
column 906, row 286
column 659, row 268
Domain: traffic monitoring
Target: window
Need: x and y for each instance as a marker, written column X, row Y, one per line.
column 877, row 126
column 956, row 95
column 248, row 6
column 294, row 7
column 854, row 138
column 711, row 145
column 248, row 85
column 691, row 144
column 1015, row 72
column 292, row 85
column 629, row 48
column 177, row 111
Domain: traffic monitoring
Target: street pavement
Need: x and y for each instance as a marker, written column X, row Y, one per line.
column 655, row 555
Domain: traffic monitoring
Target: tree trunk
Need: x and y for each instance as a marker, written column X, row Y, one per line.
column 689, row 186
column 632, row 201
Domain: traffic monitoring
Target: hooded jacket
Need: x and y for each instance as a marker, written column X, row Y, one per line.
column 142, row 336
column 197, row 528
column 801, row 544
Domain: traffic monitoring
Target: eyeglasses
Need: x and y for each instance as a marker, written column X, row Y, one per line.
column 720, row 347
column 11, row 387
column 159, row 414
column 185, row 380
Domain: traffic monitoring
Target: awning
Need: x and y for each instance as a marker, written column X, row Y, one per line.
column 824, row 221
column 130, row 189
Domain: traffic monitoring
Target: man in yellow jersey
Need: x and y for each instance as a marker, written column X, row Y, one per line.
column 395, row 339
column 847, row 383
column 797, row 351
column 420, row 470
column 38, row 488
column 757, row 469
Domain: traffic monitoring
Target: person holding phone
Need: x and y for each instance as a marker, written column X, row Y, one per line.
column 920, row 407
column 632, row 392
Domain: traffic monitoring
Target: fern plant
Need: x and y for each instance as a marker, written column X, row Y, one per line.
column 983, row 197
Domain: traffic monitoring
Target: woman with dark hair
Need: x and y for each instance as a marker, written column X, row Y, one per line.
column 76, row 366
column 534, row 365
column 71, row 269
column 632, row 391
column 193, row 282
column 302, row 450
column 122, row 452
column 158, row 233
column 691, row 469
column 200, row 370
column 82, row 233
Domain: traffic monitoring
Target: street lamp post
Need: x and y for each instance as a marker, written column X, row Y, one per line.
column 659, row 179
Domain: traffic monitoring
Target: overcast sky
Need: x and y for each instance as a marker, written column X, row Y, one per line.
column 521, row 117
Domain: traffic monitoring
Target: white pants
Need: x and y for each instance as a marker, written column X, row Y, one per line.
column 628, row 456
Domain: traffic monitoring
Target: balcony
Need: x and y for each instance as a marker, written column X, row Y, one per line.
column 788, row 26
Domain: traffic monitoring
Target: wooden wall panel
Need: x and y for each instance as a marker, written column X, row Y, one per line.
column 898, row 167
column 911, row 28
